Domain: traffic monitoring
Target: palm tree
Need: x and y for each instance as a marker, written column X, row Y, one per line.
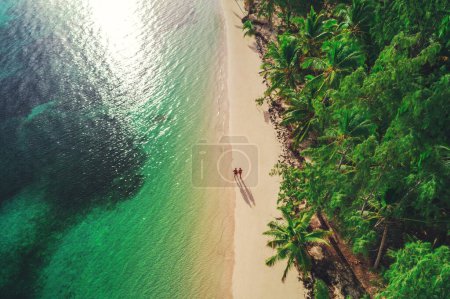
column 314, row 29
column 357, row 20
column 353, row 126
column 300, row 114
column 356, row 17
column 290, row 238
column 281, row 63
column 341, row 59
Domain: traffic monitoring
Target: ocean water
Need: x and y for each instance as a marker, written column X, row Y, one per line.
column 101, row 102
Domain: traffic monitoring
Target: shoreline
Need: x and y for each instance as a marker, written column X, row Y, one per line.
column 336, row 265
column 251, row 278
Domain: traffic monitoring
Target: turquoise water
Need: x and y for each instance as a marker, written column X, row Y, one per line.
column 101, row 104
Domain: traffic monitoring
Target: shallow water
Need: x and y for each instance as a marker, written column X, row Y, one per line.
column 101, row 102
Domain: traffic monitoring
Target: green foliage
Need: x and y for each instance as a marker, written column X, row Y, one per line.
column 281, row 65
column 341, row 58
column 367, row 83
column 409, row 16
column 419, row 271
column 248, row 28
column 300, row 115
column 290, row 238
column 320, row 290
column 313, row 30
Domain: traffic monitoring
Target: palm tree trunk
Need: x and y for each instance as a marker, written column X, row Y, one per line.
column 380, row 250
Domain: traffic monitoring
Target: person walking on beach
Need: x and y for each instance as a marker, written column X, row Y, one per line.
column 240, row 173
column 235, row 171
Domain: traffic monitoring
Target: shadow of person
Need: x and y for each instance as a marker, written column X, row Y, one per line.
column 248, row 192
column 243, row 192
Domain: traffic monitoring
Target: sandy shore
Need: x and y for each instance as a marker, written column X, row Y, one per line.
column 251, row 277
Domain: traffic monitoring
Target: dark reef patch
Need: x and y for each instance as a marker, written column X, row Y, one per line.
column 57, row 132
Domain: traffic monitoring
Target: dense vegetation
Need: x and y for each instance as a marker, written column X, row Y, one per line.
column 366, row 85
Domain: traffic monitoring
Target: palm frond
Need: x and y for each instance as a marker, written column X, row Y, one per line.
column 288, row 267
column 272, row 260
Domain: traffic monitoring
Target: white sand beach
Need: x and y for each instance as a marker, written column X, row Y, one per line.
column 251, row 277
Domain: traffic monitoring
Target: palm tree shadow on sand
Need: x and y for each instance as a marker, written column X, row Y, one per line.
column 245, row 192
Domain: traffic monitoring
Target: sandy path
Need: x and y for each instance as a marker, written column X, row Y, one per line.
column 251, row 278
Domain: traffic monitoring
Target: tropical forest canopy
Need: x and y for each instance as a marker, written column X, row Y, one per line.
column 366, row 86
